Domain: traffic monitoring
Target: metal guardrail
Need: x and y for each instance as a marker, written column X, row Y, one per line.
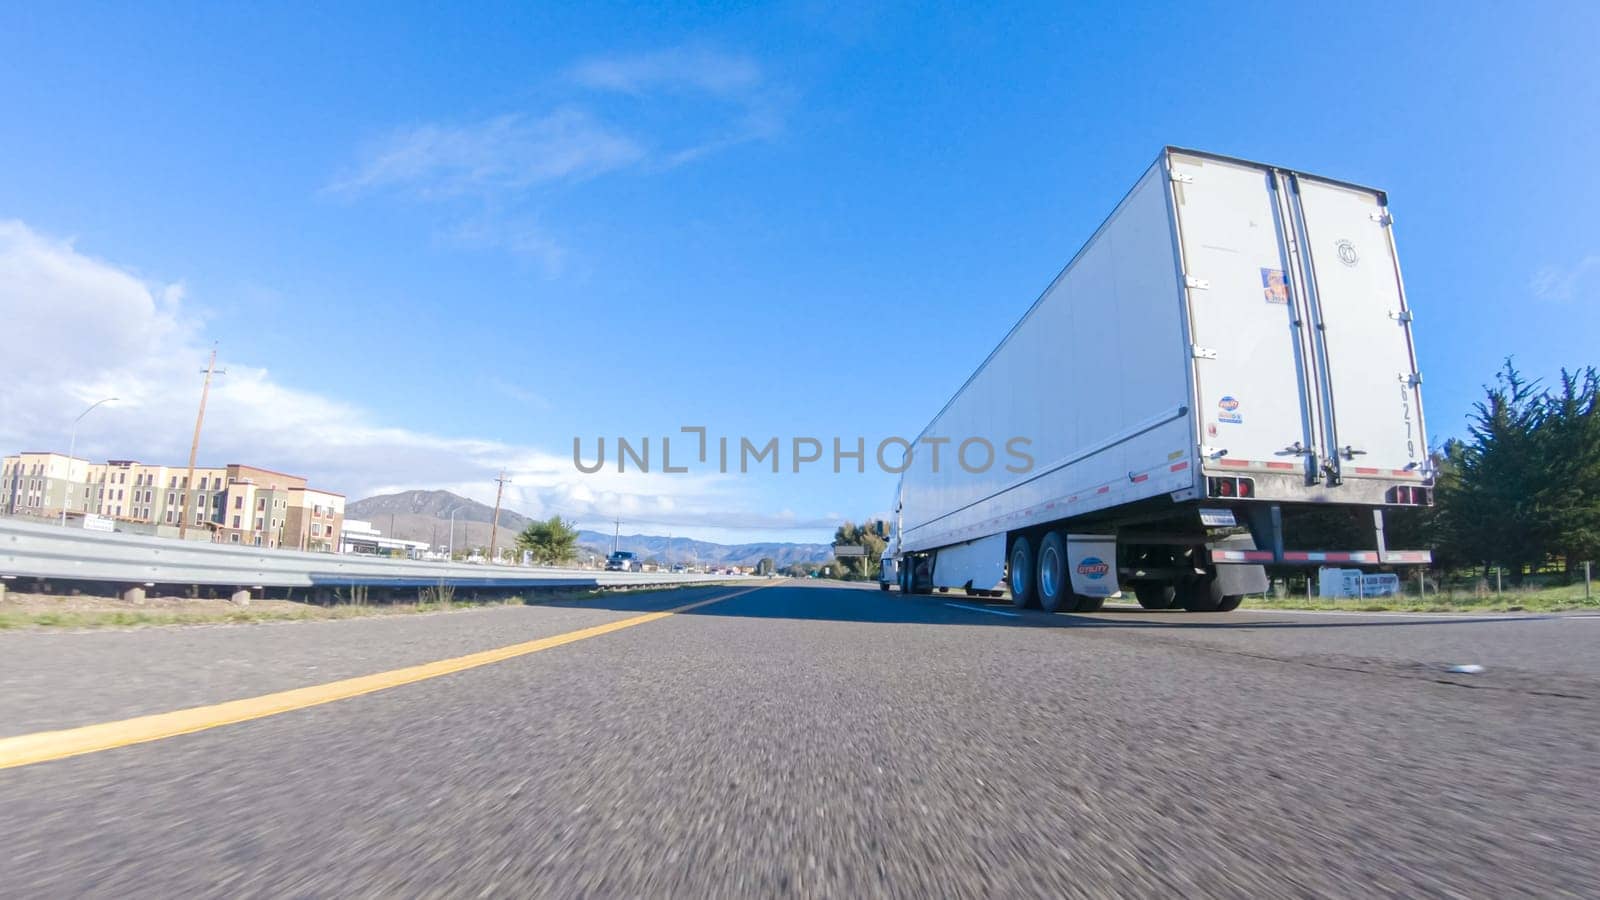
column 31, row 550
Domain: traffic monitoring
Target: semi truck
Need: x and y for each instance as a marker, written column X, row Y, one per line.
column 1231, row 348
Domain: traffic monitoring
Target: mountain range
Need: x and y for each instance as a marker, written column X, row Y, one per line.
column 426, row 516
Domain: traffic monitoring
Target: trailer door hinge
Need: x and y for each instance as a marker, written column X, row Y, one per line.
column 1203, row 352
column 1180, row 177
column 1196, row 284
column 1382, row 218
column 1411, row 379
column 1400, row 315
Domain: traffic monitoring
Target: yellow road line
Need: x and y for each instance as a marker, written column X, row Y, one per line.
column 44, row 746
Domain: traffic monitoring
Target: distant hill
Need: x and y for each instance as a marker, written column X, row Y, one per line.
column 425, row 516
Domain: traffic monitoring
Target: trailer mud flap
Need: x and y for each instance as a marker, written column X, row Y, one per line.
column 1241, row 577
column 1092, row 559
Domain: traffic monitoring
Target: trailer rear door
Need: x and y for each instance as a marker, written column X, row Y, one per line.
column 1374, row 425
column 1251, row 388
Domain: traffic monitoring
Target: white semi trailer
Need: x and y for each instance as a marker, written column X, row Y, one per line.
column 1230, row 348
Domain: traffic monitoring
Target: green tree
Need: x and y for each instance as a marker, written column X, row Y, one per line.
column 868, row 535
column 1497, row 508
column 766, row 566
column 1570, row 453
column 551, row 542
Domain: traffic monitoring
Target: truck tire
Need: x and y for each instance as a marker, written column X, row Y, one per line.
column 1230, row 602
column 1155, row 594
column 1203, row 593
column 1089, row 604
column 1021, row 576
column 1053, row 585
column 883, row 585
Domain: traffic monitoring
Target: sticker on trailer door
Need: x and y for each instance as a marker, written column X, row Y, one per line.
column 1229, row 411
column 1274, row 286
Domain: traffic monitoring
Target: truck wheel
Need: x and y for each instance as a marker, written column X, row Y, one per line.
column 1202, row 594
column 1022, row 577
column 1052, row 585
column 883, row 585
column 1090, row 604
column 1230, row 603
column 1155, row 594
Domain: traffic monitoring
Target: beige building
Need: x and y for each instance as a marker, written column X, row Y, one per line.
column 233, row 504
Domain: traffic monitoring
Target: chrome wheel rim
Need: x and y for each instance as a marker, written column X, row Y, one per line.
column 1049, row 571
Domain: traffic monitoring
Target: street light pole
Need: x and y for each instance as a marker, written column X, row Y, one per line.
column 72, row 448
column 452, row 536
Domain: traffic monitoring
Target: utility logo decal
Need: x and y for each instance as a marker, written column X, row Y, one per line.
column 1093, row 567
column 1230, row 411
column 1274, row 286
column 1347, row 253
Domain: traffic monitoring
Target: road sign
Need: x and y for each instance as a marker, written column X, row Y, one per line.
column 842, row 550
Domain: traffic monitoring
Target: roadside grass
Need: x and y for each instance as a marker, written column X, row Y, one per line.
column 1564, row 598
column 77, row 612
column 280, row 611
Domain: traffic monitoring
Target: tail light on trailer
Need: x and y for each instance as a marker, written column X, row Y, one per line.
column 1410, row 495
column 1244, row 488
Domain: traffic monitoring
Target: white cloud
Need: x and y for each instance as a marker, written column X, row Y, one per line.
column 1561, row 283
column 672, row 69
column 506, row 153
column 77, row 329
column 642, row 113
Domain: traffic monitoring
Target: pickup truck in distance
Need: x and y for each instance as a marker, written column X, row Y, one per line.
column 622, row 561
column 1231, row 350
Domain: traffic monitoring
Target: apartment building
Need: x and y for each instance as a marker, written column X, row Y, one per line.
column 233, row 504
column 314, row 520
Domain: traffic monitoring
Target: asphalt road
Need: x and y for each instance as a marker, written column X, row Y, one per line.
column 822, row 741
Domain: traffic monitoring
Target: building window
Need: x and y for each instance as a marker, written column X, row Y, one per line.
column 235, row 538
column 238, row 502
column 236, row 522
column 261, row 504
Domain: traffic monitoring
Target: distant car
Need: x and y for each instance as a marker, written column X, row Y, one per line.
column 678, row 567
column 622, row 561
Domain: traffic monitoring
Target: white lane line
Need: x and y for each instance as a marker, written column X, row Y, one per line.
column 992, row 612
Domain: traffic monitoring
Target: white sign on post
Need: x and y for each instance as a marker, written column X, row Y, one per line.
column 1346, row 583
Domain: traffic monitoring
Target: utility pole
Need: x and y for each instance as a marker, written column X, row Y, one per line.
column 452, row 536
column 194, row 445
column 494, row 525
column 616, row 535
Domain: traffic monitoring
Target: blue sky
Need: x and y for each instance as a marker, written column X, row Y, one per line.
column 431, row 242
